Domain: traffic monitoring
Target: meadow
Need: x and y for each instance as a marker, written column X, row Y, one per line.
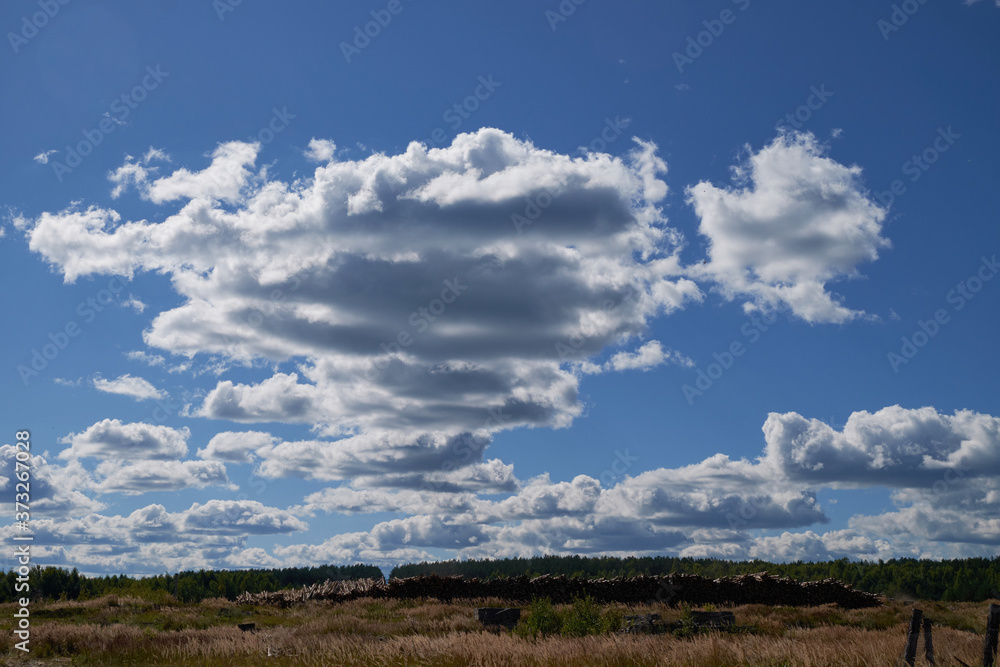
column 121, row 630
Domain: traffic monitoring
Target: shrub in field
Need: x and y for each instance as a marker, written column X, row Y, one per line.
column 612, row 620
column 542, row 618
column 583, row 618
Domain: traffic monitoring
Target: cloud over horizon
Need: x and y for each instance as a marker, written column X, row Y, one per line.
column 718, row 507
column 408, row 308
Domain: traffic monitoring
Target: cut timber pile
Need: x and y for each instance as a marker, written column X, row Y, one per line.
column 673, row 589
column 498, row 616
column 328, row 590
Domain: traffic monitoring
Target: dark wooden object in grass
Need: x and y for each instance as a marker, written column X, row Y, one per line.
column 713, row 619
column 992, row 631
column 928, row 642
column 910, row 655
column 643, row 623
column 498, row 616
column 247, row 627
column 651, row 623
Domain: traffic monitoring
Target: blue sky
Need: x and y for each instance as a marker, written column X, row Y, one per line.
column 394, row 281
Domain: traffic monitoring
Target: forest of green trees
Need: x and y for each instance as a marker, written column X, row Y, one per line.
column 57, row 583
column 970, row 579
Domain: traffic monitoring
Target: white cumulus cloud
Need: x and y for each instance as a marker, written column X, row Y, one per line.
column 794, row 221
column 321, row 150
column 111, row 439
column 129, row 385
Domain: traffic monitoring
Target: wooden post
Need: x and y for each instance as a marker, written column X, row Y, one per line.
column 910, row 656
column 928, row 642
column 992, row 630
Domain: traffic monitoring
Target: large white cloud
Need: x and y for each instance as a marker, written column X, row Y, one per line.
column 410, row 306
column 810, row 546
column 415, row 291
column 349, row 500
column 357, row 547
column 239, row 517
column 224, row 179
column 436, row 462
column 941, row 467
column 794, row 221
column 56, row 491
column 947, row 499
column 660, row 509
column 216, row 523
column 238, row 446
column 454, row 290
column 152, row 540
column 278, row 398
column 111, row 439
column 147, row 476
column 894, row 447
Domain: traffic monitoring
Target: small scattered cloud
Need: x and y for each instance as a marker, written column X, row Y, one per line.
column 320, row 150
column 136, row 172
column 647, row 357
column 113, row 119
column 129, row 385
column 155, row 154
column 43, row 157
column 134, row 303
column 145, row 357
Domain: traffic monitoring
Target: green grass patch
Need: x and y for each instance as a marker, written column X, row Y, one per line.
column 584, row 617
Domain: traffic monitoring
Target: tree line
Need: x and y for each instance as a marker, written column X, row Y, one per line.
column 967, row 579
column 55, row 583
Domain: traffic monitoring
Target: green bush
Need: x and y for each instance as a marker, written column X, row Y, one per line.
column 583, row 618
column 612, row 620
column 542, row 618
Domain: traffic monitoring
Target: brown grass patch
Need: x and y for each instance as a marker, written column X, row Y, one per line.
column 129, row 631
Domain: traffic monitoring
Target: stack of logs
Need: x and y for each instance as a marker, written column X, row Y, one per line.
column 673, row 589
column 328, row 590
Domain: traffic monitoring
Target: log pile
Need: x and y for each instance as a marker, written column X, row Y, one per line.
column 672, row 589
column 645, row 624
column 337, row 591
column 713, row 619
column 504, row 616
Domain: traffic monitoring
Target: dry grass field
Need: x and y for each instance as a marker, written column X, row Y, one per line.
column 129, row 631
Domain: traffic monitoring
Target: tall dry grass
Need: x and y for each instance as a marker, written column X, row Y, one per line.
column 389, row 632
